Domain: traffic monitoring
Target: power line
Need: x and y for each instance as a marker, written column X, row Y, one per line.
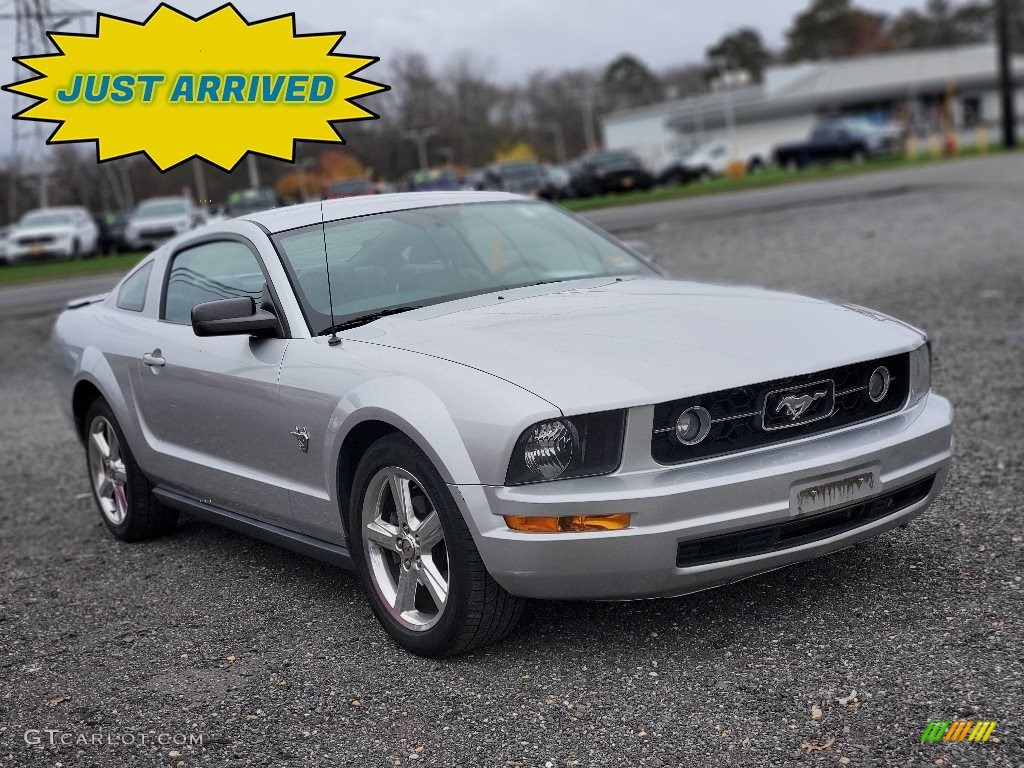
column 32, row 20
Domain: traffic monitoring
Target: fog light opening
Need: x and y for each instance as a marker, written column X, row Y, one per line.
column 693, row 425
column 878, row 384
column 567, row 523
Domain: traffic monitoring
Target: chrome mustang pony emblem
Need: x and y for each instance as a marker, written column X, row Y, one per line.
column 302, row 435
column 797, row 405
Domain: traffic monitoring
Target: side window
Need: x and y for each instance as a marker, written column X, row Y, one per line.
column 207, row 272
column 132, row 295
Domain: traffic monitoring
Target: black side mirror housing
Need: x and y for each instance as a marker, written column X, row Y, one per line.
column 230, row 317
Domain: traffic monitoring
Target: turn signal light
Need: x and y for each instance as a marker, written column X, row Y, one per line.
column 568, row 524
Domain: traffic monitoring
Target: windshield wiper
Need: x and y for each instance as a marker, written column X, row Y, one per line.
column 552, row 280
column 369, row 317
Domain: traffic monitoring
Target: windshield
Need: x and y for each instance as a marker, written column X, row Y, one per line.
column 154, row 208
column 45, row 219
column 430, row 255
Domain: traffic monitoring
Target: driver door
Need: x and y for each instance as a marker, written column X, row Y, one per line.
column 210, row 404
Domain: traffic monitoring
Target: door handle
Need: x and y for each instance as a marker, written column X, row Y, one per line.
column 153, row 359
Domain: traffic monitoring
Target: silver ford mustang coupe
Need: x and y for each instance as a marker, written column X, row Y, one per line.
column 474, row 398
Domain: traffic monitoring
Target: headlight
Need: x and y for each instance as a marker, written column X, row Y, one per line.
column 575, row 446
column 920, row 372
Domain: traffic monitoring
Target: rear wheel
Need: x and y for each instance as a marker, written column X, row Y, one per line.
column 122, row 492
column 422, row 572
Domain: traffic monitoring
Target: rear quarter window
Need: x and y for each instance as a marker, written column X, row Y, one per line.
column 132, row 294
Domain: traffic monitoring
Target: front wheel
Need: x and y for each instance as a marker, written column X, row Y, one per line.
column 422, row 572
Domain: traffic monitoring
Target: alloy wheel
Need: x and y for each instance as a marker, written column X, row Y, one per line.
column 107, row 471
column 405, row 549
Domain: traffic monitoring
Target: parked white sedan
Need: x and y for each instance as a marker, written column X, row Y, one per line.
column 67, row 232
column 475, row 398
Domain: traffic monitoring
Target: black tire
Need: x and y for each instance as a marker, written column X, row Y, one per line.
column 145, row 517
column 477, row 611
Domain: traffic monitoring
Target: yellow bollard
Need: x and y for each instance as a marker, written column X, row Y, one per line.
column 911, row 147
column 981, row 139
column 934, row 145
column 736, row 169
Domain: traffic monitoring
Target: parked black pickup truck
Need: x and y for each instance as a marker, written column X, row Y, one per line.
column 851, row 140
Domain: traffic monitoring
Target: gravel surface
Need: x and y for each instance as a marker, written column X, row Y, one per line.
column 277, row 660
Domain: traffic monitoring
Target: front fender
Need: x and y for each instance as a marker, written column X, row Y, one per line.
column 411, row 407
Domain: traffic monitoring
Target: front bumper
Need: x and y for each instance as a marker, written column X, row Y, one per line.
column 670, row 505
column 61, row 249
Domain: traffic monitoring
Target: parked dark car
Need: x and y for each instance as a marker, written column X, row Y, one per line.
column 599, row 173
column 521, row 177
column 848, row 139
column 242, row 202
column 557, row 183
column 111, row 226
column 436, row 180
column 352, row 187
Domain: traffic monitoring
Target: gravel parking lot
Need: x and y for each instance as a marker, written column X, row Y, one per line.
column 277, row 660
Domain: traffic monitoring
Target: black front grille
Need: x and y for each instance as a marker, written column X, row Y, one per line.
column 158, row 234
column 738, row 418
column 35, row 240
column 793, row 533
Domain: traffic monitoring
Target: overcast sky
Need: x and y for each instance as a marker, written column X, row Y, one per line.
column 513, row 38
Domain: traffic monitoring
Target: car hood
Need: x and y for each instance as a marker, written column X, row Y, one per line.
column 604, row 344
column 697, row 158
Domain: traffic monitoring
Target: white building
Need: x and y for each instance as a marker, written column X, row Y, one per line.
column 909, row 87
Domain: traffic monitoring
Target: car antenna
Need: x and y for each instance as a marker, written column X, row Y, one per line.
column 334, row 340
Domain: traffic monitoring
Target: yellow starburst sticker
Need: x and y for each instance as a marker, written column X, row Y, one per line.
column 176, row 87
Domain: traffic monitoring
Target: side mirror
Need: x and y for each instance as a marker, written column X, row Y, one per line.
column 229, row 317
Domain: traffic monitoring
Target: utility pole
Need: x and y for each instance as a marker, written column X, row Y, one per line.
column 589, row 134
column 725, row 82
column 419, row 136
column 254, row 171
column 32, row 20
column 556, row 129
column 200, row 180
column 1007, row 92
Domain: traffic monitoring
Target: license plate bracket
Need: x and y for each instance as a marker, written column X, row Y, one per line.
column 832, row 491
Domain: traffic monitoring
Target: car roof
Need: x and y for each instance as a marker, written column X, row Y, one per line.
column 304, row 214
column 162, row 198
column 56, row 209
